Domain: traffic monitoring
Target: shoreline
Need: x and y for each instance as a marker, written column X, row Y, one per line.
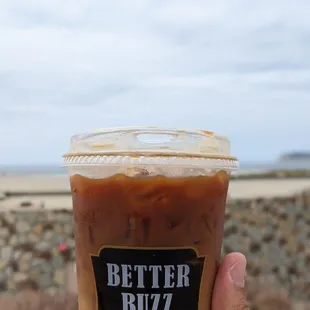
column 52, row 192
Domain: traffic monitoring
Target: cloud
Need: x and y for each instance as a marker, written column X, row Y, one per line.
column 241, row 68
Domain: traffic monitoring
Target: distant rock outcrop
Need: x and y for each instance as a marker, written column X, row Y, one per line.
column 295, row 156
column 2, row 196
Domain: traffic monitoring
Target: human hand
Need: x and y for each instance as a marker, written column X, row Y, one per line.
column 229, row 287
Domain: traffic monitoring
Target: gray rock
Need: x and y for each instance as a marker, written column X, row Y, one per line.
column 68, row 229
column 47, row 267
column 2, row 196
column 273, row 255
column 13, row 240
column 3, row 264
column 22, row 227
column 3, row 276
column 4, row 233
column 301, row 224
column 19, row 277
column 58, row 239
column 59, row 277
column 283, row 273
column 6, row 252
column 71, row 243
column 11, row 284
column 10, row 217
column 27, row 257
column 22, row 239
column 2, row 242
column 43, row 246
column 64, row 218
column 17, row 254
column 24, row 216
column 48, row 235
column 268, row 279
column 35, row 274
column 40, row 217
column 40, row 266
column 233, row 243
column 23, row 266
column 33, row 238
column 291, row 210
column 302, row 237
column 51, row 216
column 255, row 234
column 230, row 228
column 46, row 280
column 57, row 262
column 9, row 271
column 37, row 263
column 73, row 254
column 58, row 228
column 267, row 233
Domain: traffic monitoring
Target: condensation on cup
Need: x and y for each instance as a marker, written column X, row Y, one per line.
column 148, row 206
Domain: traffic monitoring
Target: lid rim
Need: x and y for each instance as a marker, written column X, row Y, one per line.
column 214, row 163
column 151, row 154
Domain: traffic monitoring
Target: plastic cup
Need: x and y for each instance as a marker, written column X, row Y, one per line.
column 148, row 206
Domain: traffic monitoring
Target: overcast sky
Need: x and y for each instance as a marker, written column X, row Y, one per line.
column 237, row 67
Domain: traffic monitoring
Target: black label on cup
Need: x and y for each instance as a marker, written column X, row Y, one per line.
column 147, row 279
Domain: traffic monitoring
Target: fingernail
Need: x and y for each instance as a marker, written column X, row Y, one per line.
column 237, row 274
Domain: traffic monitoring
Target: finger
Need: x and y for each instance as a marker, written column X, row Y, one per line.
column 229, row 291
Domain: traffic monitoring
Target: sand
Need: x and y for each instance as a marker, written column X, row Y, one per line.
column 52, row 192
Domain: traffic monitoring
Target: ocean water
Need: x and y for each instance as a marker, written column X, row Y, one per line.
column 244, row 167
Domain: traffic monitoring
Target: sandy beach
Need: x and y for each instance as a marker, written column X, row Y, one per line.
column 53, row 191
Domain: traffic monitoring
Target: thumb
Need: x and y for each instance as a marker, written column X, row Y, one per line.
column 229, row 288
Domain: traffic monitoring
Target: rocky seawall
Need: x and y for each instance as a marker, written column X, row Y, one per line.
column 274, row 234
column 35, row 247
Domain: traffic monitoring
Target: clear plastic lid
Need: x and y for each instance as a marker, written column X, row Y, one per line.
column 150, row 145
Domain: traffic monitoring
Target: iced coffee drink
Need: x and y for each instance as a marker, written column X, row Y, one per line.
column 148, row 217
